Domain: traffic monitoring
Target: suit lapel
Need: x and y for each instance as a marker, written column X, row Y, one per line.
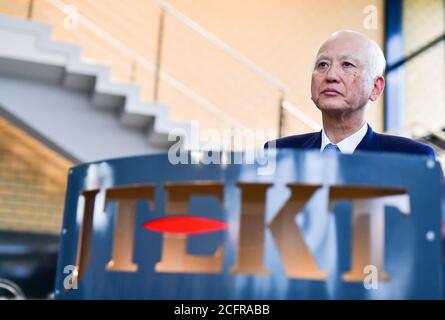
column 314, row 142
column 370, row 141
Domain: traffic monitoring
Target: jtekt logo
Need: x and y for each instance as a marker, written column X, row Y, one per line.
column 177, row 225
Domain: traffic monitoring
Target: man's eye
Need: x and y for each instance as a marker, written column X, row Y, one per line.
column 322, row 64
column 348, row 64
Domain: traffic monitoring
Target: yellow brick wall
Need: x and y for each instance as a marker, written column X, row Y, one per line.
column 16, row 8
column 32, row 183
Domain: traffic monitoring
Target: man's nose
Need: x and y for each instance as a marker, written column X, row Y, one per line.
column 332, row 74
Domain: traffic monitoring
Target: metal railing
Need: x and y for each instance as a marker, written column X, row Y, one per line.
column 149, row 66
column 297, row 113
column 138, row 62
column 223, row 46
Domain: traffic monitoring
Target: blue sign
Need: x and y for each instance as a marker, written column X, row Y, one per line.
column 311, row 226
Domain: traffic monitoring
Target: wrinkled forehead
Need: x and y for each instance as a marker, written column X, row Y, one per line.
column 346, row 47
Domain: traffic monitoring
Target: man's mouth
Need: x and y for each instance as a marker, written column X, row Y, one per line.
column 330, row 92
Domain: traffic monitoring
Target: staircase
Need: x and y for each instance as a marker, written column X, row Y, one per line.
column 72, row 106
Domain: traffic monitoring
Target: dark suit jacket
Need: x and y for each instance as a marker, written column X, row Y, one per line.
column 372, row 141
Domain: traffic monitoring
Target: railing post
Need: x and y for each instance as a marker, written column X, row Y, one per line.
column 281, row 116
column 30, row 9
column 158, row 55
column 133, row 71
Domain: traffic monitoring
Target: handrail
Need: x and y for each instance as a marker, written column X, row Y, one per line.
column 283, row 88
column 208, row 106
column 222, row 45
column 288, row 106
column 179, row 86
column 103, row 34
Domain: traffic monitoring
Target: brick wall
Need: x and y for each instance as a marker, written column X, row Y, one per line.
column 32, row 183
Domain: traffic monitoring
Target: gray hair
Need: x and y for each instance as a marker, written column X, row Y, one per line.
column 378, row 61
column 377, row 64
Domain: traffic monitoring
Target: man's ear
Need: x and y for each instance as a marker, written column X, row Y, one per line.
column 379, row 85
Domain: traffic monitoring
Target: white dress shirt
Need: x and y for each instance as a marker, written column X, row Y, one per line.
column 349, row 144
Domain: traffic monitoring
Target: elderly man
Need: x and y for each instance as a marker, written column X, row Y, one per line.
column 347, row 75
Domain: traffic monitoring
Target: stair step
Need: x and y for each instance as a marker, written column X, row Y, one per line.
column 35, row 56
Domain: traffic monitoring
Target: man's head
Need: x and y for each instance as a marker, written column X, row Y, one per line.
column 348, row 73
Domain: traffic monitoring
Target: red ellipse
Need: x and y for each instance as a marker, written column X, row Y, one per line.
column 185, row 225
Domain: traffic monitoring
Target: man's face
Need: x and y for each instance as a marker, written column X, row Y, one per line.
column 341, row 80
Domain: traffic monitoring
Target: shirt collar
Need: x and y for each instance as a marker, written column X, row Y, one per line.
column 349, row 144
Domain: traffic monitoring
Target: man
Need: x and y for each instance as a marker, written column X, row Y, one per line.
column 347, row 75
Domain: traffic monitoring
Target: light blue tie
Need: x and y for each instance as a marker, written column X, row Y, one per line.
column 331, row 148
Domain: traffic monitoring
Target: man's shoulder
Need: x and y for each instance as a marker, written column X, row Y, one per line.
column 295, row 141
column 389, row 142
